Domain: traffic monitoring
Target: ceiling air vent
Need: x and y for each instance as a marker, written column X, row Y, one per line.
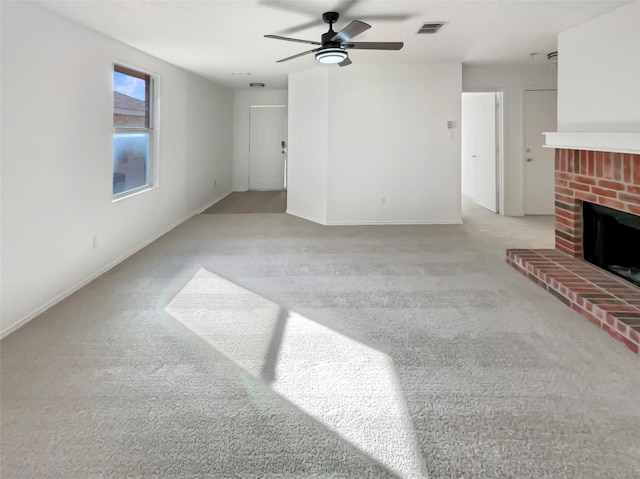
column 431, row 27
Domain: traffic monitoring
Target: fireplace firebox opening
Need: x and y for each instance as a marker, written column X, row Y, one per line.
column 611, row 240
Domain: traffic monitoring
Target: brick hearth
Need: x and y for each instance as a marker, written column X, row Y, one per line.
column 610, row 303
column 608, row 179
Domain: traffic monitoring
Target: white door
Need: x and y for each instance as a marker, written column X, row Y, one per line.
column 267, row 147
column 540, row 110
column 479, row 148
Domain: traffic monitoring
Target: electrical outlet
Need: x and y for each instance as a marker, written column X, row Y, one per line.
column 215, row 182
column 383, row 200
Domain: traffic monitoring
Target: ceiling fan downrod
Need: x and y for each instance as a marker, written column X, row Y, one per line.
column 327, row 38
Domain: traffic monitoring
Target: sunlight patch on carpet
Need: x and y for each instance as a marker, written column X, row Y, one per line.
column 350, row 388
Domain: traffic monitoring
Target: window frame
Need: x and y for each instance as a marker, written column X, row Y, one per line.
column 151, row 128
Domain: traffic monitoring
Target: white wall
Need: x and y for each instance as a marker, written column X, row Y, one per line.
column 388, row 138
column 242, row 102
column 599, row 74
column 365, row 132
column 513, row 81
column 57, row 105
column 308, row 144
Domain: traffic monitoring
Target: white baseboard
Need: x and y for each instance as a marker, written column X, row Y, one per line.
column 374, row 223
column 208, row 205
column 306, row 217
column 393, row 222
column 38, row 311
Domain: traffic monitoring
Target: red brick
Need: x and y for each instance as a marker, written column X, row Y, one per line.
column 620, row 337
column 604, row 165
column 577, row 186
column 570, row 223
column 565, row 198
column 591, row 163
column 566, row 191
column 567, row 247
column 578, row 309
column 589, row 306
column 572, row 236
column 581, row 195
column 623, row 328
column 582, row 163
column 633, row 189
column 612, row 185
column 615, row 204
column 617, row 166
column 603, row 192
column 633, row 199
column 633, row 209
column 587, row 180
column 587, row 290
column 626, row 169
column 573, row 216
column 618, row 308
column 635, row 167
column 519, row 268
column 591, row 318
column 634, row 335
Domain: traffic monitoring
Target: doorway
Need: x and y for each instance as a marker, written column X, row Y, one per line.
column 481, row 151
column 268, row 147
column 540, row 115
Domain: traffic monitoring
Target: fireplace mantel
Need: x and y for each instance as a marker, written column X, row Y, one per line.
column 594, row 141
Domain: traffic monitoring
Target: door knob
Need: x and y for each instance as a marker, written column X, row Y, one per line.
column 529, row 159
column 473, row 156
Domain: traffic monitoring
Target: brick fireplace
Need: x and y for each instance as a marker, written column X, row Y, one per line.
column 602, row 178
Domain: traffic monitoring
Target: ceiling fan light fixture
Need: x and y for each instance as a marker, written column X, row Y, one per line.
column 331, row 55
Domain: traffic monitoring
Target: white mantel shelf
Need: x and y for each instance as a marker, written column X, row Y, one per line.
column 593, row 141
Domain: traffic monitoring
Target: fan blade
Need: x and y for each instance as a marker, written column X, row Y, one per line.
column 386, row 17
column 278, row 37
column 345, row 62
column 298, row 55
column 299, row 7
column 356, row 27
column 375, row 45
column 345, row 6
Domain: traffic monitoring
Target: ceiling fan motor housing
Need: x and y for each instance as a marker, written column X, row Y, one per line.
column 330, row 17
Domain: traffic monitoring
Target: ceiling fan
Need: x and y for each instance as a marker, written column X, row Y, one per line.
column 333, row 46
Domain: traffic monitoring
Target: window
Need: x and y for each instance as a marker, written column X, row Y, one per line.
column 133, row 131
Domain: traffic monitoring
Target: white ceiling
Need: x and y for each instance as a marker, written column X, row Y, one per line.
column 217, row 38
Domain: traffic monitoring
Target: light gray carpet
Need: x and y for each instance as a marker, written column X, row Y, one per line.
column 265, row 346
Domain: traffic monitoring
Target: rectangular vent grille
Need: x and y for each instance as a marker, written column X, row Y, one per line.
column 432, row 27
